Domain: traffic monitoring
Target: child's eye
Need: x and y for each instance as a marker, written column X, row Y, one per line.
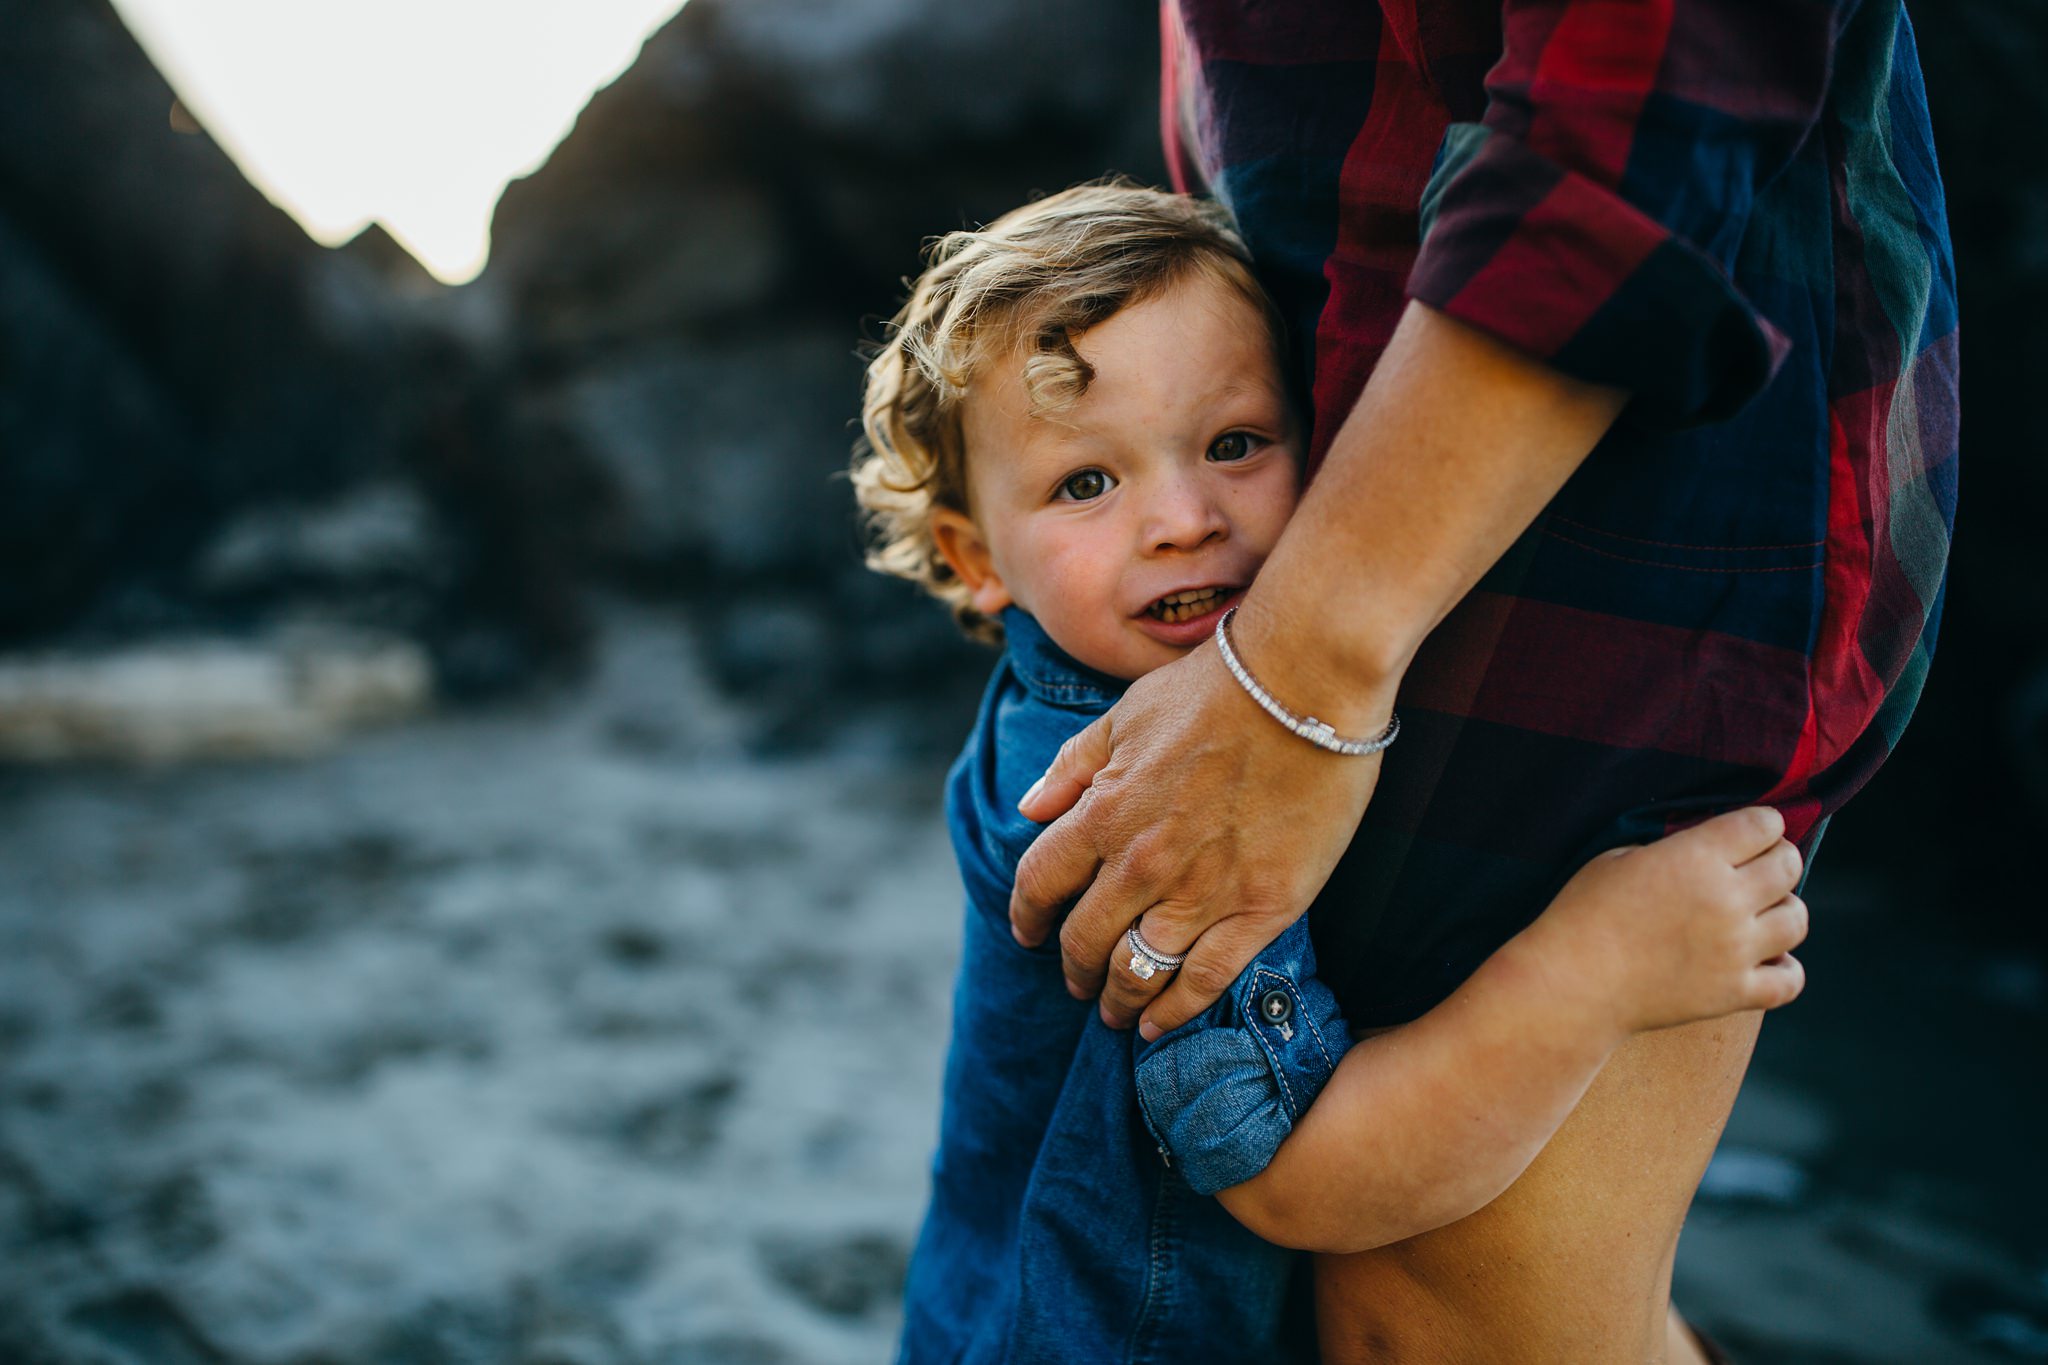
column 1085, row 485
column 1232, row 446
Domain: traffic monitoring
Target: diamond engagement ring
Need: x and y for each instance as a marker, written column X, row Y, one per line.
column 1146, row 961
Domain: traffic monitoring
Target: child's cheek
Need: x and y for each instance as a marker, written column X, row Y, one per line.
column 1074, row 561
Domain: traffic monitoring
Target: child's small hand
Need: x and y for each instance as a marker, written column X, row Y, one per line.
column 1697, row 925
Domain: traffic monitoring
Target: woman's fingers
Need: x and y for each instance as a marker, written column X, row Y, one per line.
column 1206, row 810
column 1213, row 963
column 1125, row 990
column 1094, row 930
column 1073, row 768
column 1057, row 867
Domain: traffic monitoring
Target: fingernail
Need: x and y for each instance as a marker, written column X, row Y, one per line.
column 1032, row 795
column 1148, row 1030
column 1018, row 934
column 1075, row 989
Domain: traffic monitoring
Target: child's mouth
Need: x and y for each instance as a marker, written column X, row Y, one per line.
column 1176, row 607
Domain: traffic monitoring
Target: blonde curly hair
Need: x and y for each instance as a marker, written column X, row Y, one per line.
column 1036, row 278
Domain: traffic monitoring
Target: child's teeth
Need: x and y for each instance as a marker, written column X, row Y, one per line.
column 1179, row 606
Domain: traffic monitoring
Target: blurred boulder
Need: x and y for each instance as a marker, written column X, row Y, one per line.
column 722, row 452
column 802, row 149
column 174, row 351
column 288, row 696
column 683, row 286
column 204, row 349
column 374, row 557
column 96, row 452
column 683, row 278
column 377, row 532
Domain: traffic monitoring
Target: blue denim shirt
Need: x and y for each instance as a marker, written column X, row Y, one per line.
column 1070, row 1217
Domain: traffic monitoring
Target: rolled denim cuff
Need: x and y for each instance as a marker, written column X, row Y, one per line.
column 1222, row 1092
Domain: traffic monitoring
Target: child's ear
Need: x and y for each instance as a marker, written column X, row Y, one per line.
column 966, row 553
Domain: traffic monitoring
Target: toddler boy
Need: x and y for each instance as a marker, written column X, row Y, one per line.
column 1079, row 437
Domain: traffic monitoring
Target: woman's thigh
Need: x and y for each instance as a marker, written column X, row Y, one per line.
column 1573, row 1262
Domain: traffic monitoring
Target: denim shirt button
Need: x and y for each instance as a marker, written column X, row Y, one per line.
column 1275, row 1006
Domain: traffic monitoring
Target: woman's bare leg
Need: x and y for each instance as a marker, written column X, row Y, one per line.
column 1573, row 1263
column 1681, row 1347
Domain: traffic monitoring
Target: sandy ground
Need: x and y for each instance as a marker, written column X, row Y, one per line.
column 581, row 1034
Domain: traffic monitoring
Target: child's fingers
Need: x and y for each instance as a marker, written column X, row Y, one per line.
column 1781, row 928
column 1742, row 834
column 1777, row 982
column 1772, row 872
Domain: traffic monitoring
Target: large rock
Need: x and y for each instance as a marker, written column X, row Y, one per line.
column 175, row 351
column 804, row 148
column 177, row 343
column 285, row 697
column 680, row 289
column 94, row 448
column 684, row 279
column 724, row 452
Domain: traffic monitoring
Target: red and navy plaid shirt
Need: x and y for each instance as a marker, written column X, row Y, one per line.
column 1730, row 209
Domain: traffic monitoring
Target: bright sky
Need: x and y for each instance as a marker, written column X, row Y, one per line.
column 414, row 113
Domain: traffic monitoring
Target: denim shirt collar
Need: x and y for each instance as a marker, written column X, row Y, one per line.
column 1049, row 672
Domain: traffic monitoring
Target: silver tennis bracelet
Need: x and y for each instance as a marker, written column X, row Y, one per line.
column 1319, row 733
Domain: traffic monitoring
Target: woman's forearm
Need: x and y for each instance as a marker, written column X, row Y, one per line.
column 1448, row 456
column 1425, row 1124
column 1454, row 447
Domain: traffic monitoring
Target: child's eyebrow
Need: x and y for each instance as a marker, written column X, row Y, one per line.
column 1234, row 389
column 1257, row 378
column 1064, row 431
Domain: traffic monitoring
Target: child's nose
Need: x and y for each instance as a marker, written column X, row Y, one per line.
column 1184, row 515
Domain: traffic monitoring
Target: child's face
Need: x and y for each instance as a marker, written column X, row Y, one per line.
column 1173, row 474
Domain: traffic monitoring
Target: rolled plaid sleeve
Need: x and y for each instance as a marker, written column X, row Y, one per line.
column 1592, row 216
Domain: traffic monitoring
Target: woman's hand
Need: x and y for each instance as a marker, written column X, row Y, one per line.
column 1187, row 805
